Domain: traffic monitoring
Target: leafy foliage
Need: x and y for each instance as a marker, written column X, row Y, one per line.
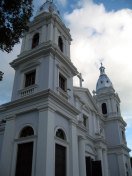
column 14, row 17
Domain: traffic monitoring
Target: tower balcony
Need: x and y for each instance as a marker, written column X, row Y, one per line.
column 27, row 91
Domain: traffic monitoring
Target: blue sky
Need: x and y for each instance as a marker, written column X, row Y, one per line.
column 100, row 29
column 110, row 5
column 115, row 4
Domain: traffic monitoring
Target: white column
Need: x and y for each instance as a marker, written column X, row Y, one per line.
column 27, row 43
column 7, row 149
column 23, row 44
column 121, row 164
column 68, row 48
column 109, row 109
column 100, row 157
column 82, row 163
column 55, row 34
column 43, row 34
column 74, row 166
column 50, row 32
column 105, row 163
column 45, row 144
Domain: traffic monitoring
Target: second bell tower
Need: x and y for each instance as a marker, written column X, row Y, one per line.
column 109, row 105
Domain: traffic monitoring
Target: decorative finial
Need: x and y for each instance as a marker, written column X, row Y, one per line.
column 102, row 69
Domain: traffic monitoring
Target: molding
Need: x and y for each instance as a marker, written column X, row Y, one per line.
column 118, row 147
column 41, row 51
column 33, row 102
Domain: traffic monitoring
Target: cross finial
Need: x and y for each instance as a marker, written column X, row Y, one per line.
column 80, row 79
column 102, row 69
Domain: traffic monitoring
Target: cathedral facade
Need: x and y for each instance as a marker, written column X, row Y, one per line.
column 50, row 127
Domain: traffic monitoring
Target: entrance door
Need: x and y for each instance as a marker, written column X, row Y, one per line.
column 24, row 159
column 60, row 160
column 88, row 166
column 96, row 168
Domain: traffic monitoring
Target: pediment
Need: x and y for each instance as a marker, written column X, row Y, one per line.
column 85, row 97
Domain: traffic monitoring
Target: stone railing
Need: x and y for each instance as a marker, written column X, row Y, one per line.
column 28, row 91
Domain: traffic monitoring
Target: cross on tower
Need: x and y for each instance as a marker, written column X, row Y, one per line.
column 80, row 78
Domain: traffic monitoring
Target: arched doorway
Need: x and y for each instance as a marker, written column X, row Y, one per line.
column 24, row 153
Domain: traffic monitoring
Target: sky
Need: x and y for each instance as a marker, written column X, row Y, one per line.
column 102, row 32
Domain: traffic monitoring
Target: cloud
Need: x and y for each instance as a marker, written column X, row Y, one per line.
column 98, row 34
column 7, row 83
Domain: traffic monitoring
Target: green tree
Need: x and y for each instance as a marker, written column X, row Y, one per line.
column 14, row 17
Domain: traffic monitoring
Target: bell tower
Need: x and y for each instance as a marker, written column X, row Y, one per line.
column 106, row 97
column 44, row 61
column 109, row 105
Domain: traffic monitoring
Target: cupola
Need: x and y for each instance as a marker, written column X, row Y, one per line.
column 49, row 7
column 103, row 83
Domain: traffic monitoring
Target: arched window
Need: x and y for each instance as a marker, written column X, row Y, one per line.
column 60, row 43
column 117, row 108
column 60, row 134
column 35, row 40
column 104, row 108
column 27, row 131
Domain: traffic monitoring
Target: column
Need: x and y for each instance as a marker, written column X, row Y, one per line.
column 74, row 151
column 121, row 163
column 68, row 48
column 55, row 34
column 43, row 34
column 7, row 149
column 50, row 31
column 105, row 162
column 45, row 144
column 82, row 162
column 100, row 157
column 23, row 44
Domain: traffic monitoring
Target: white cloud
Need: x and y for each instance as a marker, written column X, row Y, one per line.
column 100, row 34
column 7, row 83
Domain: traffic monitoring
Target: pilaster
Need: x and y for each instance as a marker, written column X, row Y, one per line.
column 82, row 162
column 74, row 151
column 6, row 154
column 45, row 144
column 105, row 162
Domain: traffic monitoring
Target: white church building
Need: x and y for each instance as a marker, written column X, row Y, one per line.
column 50, row 127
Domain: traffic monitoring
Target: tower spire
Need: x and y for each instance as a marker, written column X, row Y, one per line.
column 102, row 69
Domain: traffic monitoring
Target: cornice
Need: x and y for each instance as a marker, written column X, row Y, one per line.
column 35, row 101
column 44, row 49
column 118, row 147
column 116, row 119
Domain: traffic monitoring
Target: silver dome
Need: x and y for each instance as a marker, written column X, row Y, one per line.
column 50, row 7
column 103, row 81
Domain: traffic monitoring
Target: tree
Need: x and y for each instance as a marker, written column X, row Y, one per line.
column 14, row 17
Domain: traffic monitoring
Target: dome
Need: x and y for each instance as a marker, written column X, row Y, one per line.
column 103, row 81
column 48, row 6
